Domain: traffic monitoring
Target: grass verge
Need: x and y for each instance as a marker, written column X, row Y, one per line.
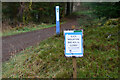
column 46, row 60
column 18, row 30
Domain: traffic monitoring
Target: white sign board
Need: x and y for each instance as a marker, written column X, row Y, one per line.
column 73, row 43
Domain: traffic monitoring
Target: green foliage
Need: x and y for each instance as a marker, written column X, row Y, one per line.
column 104, row 9
column 90, row 21
column 113, row 21
column 9, row 10
column 27, row 13
column 95, row 14
column 46, row 11
column 47, row 60
column 41, row 12
column 109, row 10
column 87, row 18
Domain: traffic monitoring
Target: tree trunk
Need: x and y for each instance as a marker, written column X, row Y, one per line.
column 21, row 10
column 68, row 8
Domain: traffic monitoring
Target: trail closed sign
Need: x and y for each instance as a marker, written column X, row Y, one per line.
column 73, row 43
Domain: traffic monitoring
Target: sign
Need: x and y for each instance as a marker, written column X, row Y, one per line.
column 57, row 20
column 73, row 43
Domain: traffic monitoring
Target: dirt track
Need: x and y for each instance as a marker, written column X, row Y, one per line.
column 16, row 43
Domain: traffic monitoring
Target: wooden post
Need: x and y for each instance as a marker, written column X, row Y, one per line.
column 74, row 68
column 74, row 64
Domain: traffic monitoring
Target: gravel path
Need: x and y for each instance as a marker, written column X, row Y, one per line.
column 16, row 43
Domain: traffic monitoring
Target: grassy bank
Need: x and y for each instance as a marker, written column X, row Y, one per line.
column 46, row 60
column 23, row 29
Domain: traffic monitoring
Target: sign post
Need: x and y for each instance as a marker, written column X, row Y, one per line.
column 74, row 68
column 57, row 21
column 74, row 46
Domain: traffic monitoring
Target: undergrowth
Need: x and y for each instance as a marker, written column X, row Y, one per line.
column 22, row 29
